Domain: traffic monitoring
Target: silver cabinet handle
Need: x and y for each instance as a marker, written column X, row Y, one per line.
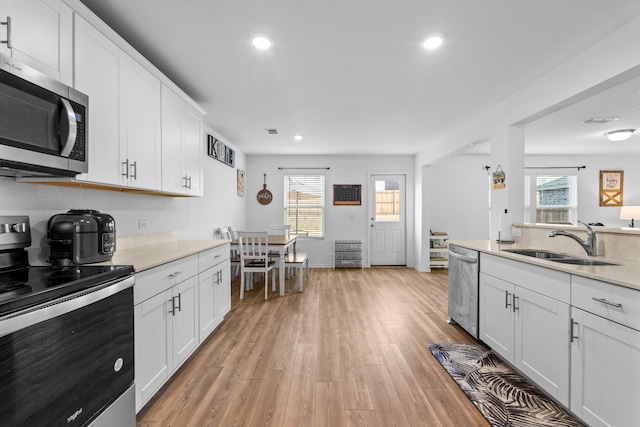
column 604, row 301
column 179, row 307
column 506, row 299
column 134, row 170
column 515, row 298
column 186, row 180
column 573, row 336
column 175, row 274
column 173, row 306
column 125, row 168
column 8, row 40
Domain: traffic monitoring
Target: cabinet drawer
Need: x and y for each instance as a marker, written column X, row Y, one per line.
column 613, row 302
column 208, row 259
column 545, row 281
column 158, row 279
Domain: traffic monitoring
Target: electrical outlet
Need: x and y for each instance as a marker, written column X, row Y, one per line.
column 143, row 223
column 516, row 232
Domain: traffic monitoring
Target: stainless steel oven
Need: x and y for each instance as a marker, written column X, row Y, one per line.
column 66, row 340
column 43, row 124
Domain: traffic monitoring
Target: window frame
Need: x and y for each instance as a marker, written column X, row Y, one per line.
column 321, row 191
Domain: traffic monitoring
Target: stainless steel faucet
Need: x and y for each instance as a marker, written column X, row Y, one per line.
column 588, row 245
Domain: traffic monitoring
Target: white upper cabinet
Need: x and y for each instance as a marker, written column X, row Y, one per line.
column 97, row 74
column 140, row 126
column 182, row 145
column 39, row 33
column 124, row 112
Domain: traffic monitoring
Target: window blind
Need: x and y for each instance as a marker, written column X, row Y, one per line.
column 304, row 197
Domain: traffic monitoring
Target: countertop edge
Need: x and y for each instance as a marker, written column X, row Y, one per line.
column 625, row 274
column 149, row 256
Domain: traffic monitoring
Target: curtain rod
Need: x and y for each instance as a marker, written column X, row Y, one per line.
column 556, row 167
column 281, row 168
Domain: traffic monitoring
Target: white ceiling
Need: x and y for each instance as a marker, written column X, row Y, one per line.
column 350, row 75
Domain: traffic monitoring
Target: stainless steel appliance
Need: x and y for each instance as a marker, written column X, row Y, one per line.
column 81, row 236
column 43, row 124
column 464, row 288
column 66, row 340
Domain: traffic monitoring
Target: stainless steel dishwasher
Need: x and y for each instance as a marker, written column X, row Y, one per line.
column 463, row 288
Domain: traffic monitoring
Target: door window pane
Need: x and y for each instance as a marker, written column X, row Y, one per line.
column 387, row 200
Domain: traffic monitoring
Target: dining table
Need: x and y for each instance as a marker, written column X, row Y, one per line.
column 280, row 244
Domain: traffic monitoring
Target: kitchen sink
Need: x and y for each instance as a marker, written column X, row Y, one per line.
column 556, row 257
column 538, row 253
column 582, row 261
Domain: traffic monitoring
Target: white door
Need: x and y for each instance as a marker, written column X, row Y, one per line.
column 387, row 196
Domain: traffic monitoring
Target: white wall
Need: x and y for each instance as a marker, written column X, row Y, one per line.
column 342, row 222
column 193, row 218
column 460, row 207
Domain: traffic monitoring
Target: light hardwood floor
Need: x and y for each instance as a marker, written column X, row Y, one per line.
column 351, row 350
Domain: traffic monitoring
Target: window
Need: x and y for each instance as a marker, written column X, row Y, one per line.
column 555, row 198
column 304, row 204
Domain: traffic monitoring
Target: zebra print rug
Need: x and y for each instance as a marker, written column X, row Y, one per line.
column 504, row 397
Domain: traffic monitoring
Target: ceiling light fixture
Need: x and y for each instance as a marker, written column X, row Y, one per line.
column 619, row 135
column 432, row 42
column 262, row 42
column 298, row 137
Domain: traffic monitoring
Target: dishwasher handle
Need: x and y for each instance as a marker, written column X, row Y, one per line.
column 464, row 258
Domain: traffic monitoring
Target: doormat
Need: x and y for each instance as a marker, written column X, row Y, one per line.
column 504, row 397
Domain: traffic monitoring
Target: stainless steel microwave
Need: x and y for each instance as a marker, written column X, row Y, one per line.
column 43, row 124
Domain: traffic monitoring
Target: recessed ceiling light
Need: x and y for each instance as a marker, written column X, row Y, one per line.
column 432, row 42
column 262, row 42
column 298, row 137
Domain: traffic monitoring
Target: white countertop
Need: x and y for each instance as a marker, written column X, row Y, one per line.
column 152, row 255
column 626, row 273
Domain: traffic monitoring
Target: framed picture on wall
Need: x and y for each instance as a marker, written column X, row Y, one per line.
column 611, row 187
column 240, row 183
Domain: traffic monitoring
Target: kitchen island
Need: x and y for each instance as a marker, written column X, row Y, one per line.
column 574, row 330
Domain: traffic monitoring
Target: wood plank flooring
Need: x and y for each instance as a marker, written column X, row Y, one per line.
column 351, row 350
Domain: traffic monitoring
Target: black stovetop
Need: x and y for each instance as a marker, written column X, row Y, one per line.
column 25, row 287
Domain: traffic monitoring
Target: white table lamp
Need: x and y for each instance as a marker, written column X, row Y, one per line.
column 630, row 212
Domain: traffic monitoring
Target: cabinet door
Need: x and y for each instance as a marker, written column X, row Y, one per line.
column 192, row 148
column 97, row 68
column 172, row 109
column 185, row 320
column 41, row 36
column 496, row 315
column 542, row 341
column 605, row 367
column 223, row 291
column 152, row 346
column 207, row 287
column 140, row 125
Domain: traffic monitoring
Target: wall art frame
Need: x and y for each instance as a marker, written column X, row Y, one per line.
column 611, row 187
column 219, row 151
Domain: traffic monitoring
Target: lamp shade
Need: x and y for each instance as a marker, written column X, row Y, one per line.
column 630, row 212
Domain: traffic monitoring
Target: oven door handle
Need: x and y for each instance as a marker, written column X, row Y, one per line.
column 39, row 313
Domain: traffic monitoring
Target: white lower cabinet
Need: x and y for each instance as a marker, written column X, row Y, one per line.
column 166, row 323
column 214, row 289
column 177, row 305
column 528, row 329
column 605, row 354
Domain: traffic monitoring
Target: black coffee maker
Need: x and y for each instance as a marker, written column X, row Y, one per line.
column 81, row 236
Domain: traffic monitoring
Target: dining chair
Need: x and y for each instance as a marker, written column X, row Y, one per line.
column 225, row 233
column 280, row 230
column 254, row 258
